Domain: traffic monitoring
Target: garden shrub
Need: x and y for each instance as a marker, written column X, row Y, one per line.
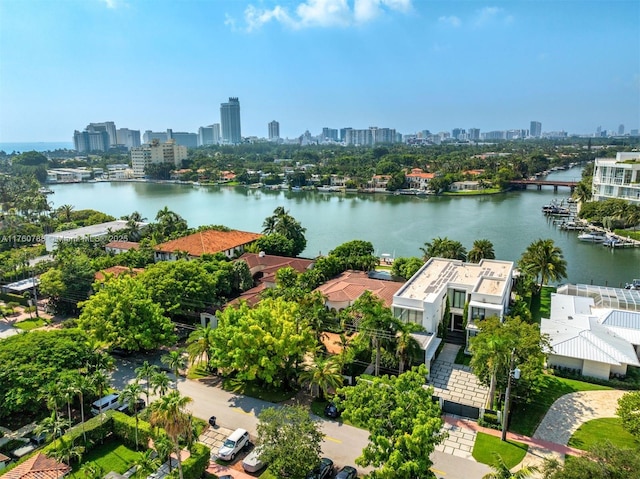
column 197, row 463
column 96, row 429
column 124, row 427
column 489, row 420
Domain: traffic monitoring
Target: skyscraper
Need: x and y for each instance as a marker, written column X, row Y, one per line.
column 535, row 129
column 109, row 127
column 230, row 121
column 274, row 130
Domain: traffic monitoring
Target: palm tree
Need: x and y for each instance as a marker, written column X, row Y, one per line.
column 52, row 426
column 160, row 383
column 146, row 371
column 65, row 451
column 79, row 385
column 168, row 413
column 130, row 395
column 163, row 446
column 406, row 345
column 324, row 374
column 200, row 343
column 99, row 381
column 545, row 261
column 443, row 248
column 65, row 212
column 176, row 361
column 502, row 471
column 482, row 249
column 52, row 393
column 92, row 470
column 147, row 462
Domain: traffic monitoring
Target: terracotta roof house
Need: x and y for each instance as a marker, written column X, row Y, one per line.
column 594, row 330
column 251, row 296
column 230, row 243
column 342, row 291
column 264, row 267
column 116, row 271
column 418, row 179
column 38, row 466
column 4, row 460
column 120, row 246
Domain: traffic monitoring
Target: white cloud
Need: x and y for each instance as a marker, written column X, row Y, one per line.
column 451, row 21
column 489, row 15
column 113, row 3
column 320, row 13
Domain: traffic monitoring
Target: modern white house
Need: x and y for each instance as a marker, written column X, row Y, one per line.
column 593, row 330
column 484, row 288
column 617, row 177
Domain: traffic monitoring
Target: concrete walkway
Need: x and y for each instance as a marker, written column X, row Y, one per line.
column 570, row 411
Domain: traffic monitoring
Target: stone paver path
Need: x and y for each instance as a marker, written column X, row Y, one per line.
column 570, row 411
column 460, row 441
column 455, row 382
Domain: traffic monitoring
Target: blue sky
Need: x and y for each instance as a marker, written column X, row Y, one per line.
column 404, row 64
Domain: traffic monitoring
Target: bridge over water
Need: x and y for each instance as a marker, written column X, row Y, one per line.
column 523, row 184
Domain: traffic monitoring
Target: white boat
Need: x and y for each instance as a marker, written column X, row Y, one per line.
column 593, row 237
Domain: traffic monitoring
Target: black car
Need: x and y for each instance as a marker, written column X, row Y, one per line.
column 324, row 470
column 331, row 410
column 347, row 472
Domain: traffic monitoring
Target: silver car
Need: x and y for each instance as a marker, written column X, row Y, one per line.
column 253, row 463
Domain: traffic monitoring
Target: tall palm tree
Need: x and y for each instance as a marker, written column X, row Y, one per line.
column 545, row 261
column 52, row 426
column 443, row 248
column 80, row 385
column 52, row 393
column 65, row 451
column 65, row 212
column 406, row 345
column 160, row 383
column 147, row 462
column 176, row 361
column 163, row 447
column 146, row 371
column 482, row 249
column 168, row 412
column 99, row 381
column 324, row 374
column 130, row 395
column 502, row 471
column 199, row 344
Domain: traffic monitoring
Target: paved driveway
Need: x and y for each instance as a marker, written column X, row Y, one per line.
column 570, row 411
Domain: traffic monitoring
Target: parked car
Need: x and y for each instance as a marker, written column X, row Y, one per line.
column 233, row 444
column 332, row 411
column 347, row 472
column 106, row 403
column 253, row 463
column 324, row 470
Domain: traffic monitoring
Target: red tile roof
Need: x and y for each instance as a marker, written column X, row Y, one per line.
column 125, row 245
column 38, row 466
column 269, row 264
column 251, row 296
column 208, row 242
column 350, row 285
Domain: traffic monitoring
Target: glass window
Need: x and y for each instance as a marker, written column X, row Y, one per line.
column 459, row 298
column 478, row 314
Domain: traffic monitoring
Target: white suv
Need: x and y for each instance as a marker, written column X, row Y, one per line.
column 233, row 445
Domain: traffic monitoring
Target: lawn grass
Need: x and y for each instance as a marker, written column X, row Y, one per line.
column 110, row 456
column 254, row 390
column 462, row 358
column 486, row 447
column 541, row 304
column 29, row 324
column 526, row 417
column 599, row 430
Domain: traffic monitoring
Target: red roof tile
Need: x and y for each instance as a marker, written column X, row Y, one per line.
column 208, row 242
column 38, row 466
column 350, row 285
column 125, row 245
column 117, row 271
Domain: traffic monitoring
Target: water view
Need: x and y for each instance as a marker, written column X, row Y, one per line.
column 397, row 225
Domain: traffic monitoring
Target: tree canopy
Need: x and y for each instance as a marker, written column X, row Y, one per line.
column 123, row 314
column 544, row 261
column 282, row 223
column 403, row 422
column 290, row 440
column 629, row 412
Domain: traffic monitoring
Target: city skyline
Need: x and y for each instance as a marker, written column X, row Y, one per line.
column 310, row 64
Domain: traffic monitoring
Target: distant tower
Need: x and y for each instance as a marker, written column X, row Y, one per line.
column 274, row 130
column 230, row 121
column 535, row 129
column 621, row 130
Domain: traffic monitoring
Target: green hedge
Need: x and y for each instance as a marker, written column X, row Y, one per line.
column 10, row 297
column 197, row 463
column 124, row 427
column 96, row 429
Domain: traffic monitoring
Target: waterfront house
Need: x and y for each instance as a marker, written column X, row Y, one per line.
column 378, row 183
column 117, row 247
column 343, row 290
column 263, row 267
column 593, row 330
column 482, row 289
column 617, row 177
column 464, row 186
column 418, row 179
column 231, row 243
column 93, row 233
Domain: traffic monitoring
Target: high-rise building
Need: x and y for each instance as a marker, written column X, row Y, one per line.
column 621, row 130
column 456, row 132
column 109, row 127
column 190, row 140
column 535, row 129
column 127, row 137
column 329, row 134
column 156, row 152
column 474, row 133
column 87, row 141
column 274, row 130
column 205, row 136
column 343, row 133
column 149, row 136
column 370, row 136
column 217, row 138
column 230, row 121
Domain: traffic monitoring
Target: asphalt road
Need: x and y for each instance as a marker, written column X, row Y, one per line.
column 342, row 443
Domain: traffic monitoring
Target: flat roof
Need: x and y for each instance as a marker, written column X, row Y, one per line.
column 92, row 230
column 488, row 277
